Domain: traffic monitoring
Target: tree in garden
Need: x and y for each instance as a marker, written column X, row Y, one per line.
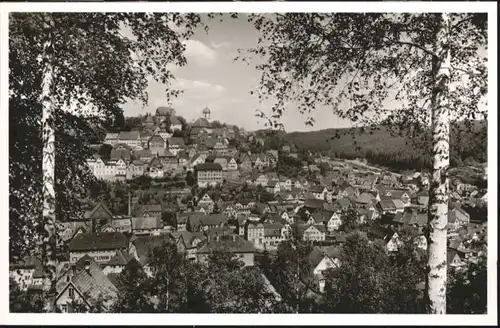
column 432, row 65
column 69, row 71
column 368, row 281
column 21, row 301
column 467, row 293
column 135, row 291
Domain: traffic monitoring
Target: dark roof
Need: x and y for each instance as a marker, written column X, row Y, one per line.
column 116, row 154
column 209, row 220
column 162, row 110
column 91, row 213
column 102, row 241
column 314, row 203
column 188, row 237
column 129, row 135
column 141, row 223
column 209, row 167
column 201, row 123
column 176, row 141
column 92, row 282
column 121, row 258
column 144, row 245
column 238, row 245
column 142, row 209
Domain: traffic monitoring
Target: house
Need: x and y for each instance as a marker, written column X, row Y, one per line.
column 453, row 259
column 205, row 222
column 319, row 217
column 319, row 192
column 120, row 153
column 162, row 113
column 98, row 215
column 232, row 165
column 313, row 204
column 143, row 225
column 387, row 206
column 334, row 222
column 28, row 273
column 273, row 186
column 154, row 210
column 143, row 154
column 190, row 242
column 84, row 282
column 101, row 247
column 392, row 242
column 122, row 225
column 209, row 174
column 206, row 200
column 233, row 244
column 175, row 123
column 174, row 145
column 131, row 139
column 241, row 220
column 457, row 218
column 111, row 139
column 135, row 169
column 245, row 163
column 222, row 161
column 117, row 263
column 141, row 248
column 156, row 145
column 262, row 180
column 255, row 234
column 312, row 232
column 155, row 169
column 322, row 259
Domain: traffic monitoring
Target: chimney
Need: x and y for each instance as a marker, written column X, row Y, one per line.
column 234, row 237
column 73, row 269
column 94, row 226
column 129, row 204
column 87, row 266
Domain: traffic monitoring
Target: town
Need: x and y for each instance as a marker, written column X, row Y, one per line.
column 209, row 185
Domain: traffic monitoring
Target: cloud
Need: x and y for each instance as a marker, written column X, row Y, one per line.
column 199, row 53
column 220, row 45
column 197, row 86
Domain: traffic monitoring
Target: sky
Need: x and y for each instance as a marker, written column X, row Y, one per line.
column 212, row 78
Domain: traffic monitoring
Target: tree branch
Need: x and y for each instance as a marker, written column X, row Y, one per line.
column 427, row 51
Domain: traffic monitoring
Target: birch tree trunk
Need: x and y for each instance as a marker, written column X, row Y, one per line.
column 48, row 171
column 438, row 202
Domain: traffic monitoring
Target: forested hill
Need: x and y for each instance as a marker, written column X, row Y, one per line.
column 467, row 146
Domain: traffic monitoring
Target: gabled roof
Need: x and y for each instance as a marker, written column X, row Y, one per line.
column 209, row 220
column 101, row 241
column 91, row 213
column 121, row 258
column 226, row 243
column 322, row 216
column 314, row 203
column 140, row 210
column 144, row 245
column 146, row 223
column 209, row 167
column 176, row 141
column 92, row 282
column 129, row 135
column 387, row 204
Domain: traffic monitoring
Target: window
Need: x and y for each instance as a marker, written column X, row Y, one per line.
column 71, row 292
column 64, row 308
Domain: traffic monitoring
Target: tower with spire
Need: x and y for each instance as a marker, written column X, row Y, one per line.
column 206, row 112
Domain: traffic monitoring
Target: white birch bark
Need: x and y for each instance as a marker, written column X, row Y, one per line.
column 48, row 170
column 438, row 202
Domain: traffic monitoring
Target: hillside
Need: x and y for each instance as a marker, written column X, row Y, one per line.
column 467, row 145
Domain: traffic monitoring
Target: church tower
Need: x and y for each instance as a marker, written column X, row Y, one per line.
column 206, row 113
